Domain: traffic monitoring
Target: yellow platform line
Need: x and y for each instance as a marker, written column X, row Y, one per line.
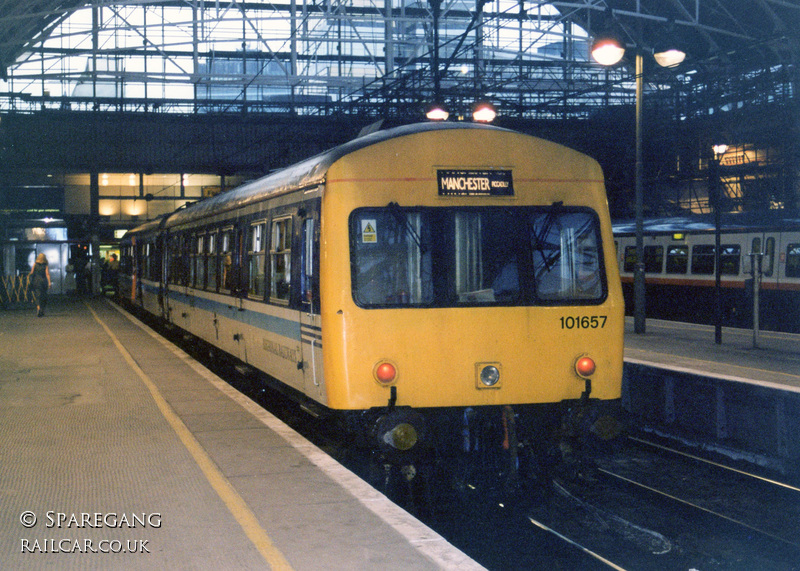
column 227, row 493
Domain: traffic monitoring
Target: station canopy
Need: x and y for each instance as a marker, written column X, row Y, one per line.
column 324, row 56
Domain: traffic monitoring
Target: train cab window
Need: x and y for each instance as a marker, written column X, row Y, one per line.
column 703, row 260
column 225, row 260
column 392, row 258
column 567, row 265
column 280, row 255
column 475, row 256
column 256, row 261
column 211, row 261
column 730, row 257
column 677, row 259
column 793, row 261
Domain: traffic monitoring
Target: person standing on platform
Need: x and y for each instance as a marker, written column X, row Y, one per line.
column 40, row 280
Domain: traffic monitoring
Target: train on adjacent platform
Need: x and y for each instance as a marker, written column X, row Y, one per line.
column 409, row 275
column 680, row 268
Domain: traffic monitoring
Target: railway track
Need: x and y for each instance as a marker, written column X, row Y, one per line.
column 651, row 507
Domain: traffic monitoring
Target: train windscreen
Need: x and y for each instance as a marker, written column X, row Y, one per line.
column 449, row 257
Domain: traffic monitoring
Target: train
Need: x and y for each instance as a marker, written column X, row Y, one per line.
column 757, row 252
column 414, row 274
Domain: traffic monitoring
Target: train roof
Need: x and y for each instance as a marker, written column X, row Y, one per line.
column 704, row 223
column 305, row 174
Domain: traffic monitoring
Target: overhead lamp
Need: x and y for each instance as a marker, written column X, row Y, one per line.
column 669, row 57
column 607, row 50
column 437, row 112
column 719, row 150
column 483, row 112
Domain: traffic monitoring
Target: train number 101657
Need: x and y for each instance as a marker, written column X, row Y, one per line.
column 584, row 322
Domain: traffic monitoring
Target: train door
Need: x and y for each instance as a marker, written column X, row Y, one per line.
column 310, row 322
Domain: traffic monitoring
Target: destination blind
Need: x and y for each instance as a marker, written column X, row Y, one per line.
column 475, row 183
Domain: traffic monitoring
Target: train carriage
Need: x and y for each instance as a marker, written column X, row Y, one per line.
column 680, row 268
column 419, row 268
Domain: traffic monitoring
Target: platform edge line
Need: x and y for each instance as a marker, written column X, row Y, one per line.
column 224, row 489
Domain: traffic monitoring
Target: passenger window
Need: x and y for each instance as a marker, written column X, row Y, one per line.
column 177, row 272
column 198, row 262
column 225, row 260
column 629, row 263
column 730, row 259
column 256, row 261
column 280, row 259
column 703, row 260
column 211, row 261
column 793, row 261
column 653, row 259
column 768, row 263
column 677, row 259
column 308, row 263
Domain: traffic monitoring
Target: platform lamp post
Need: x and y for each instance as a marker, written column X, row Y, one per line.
column 716, row 199
column 608, row 50
column 436, row 111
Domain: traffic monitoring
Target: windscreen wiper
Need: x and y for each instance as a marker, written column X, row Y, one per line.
column 402, row 219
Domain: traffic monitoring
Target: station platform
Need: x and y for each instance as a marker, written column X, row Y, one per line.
column 117, row 450
column 687, row 347
column 734, row 398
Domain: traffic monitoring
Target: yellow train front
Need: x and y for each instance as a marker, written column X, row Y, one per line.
column 466, row 267
column 407, row 278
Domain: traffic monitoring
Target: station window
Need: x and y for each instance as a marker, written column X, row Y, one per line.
column 677, row 259
column 280, row 259
column 256, row 261
column 793, row 261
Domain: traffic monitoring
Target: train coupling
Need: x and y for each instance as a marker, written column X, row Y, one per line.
column 400, row 429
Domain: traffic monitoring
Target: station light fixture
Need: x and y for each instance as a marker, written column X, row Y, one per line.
column 483, row 112
column 669, row 57
column 607, row 50
column 437, row 112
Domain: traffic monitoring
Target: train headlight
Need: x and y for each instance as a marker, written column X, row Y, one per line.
column 385, row 372
column 585, row 367
column 488, row 375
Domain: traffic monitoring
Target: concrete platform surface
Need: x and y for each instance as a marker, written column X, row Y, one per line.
column 117, row 451
column 687, row 347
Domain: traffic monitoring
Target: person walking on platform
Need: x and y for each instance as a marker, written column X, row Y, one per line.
column 40, row 280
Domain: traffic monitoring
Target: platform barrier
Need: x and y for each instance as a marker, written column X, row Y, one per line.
column 16, row 290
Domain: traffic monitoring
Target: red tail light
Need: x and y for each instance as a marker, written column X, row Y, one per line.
column 585, row 367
